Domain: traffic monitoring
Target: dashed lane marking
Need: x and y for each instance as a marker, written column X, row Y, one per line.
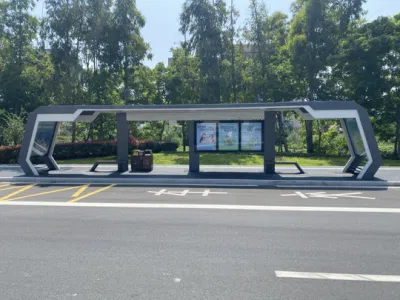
column 92, row 193
column 337, row 276
column 7, row 197
column 5, row 184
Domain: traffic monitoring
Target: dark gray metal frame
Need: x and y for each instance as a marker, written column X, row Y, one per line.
column 316, row 110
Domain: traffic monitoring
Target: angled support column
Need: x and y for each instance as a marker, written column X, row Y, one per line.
column 194, row 157
column 49, row 159
column 349, row 164
column 122, row 142
column 370, row 144
column 24, row 159
column 269, row 142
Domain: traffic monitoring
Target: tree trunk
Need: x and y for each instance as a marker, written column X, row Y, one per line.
column 398, row 138
column 89, row 132
column 309, row 136
column 101, row 130
column 162, row 131
column 184, row 136
column 73, row 139
column 281, row 132
column 233, row 57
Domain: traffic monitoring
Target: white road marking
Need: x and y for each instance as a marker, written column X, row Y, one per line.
column 205, row 193
column 324, row 195
column 177, row 193
column 208, row 206
column 337, row 276
column 183, row 193
column 295, row 194
column 301, row 195
column 342, row 187
column 159, row 193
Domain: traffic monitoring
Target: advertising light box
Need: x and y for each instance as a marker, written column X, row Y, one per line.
column 251, row 136
column 228, row 136
column 206, row 136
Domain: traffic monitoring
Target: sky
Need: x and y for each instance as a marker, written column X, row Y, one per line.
column 162, row 20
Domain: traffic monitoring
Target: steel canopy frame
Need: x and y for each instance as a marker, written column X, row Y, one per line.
column 311, row 110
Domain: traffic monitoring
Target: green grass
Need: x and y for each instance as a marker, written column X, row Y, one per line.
column 180, row 158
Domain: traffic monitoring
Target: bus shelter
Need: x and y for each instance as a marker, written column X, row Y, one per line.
column 212, row 128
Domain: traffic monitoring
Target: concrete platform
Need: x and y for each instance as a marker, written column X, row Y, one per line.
column 209, row 176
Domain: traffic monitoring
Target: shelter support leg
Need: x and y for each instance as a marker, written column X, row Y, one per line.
column 122, row 142
column 269, row 142
column 194, row 157
column 24, row 159
column 375, row 158
column 48, row 159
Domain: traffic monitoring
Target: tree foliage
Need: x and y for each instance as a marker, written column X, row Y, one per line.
column 93, row 52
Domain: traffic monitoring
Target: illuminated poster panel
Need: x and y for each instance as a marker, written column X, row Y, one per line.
column 206, row 136
column 228, row 136
column 251, row 136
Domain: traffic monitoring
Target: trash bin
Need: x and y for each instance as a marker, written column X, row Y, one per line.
column 148, row 160
column 137, row 160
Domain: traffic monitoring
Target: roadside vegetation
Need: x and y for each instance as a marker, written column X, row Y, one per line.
column 93, row 52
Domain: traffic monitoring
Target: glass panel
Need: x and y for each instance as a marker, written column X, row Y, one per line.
column 355, row 136
column 251, row 136
column 206, row 136
column 228, row 136
column 44, row 138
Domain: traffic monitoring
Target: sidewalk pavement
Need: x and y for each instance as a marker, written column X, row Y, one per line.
column 178, row 175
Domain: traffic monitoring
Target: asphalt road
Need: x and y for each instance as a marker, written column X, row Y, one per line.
column 50, row 252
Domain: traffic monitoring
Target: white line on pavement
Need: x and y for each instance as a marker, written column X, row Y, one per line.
column 344, row 187
column 337, row 276
column 207, row 206
column 301, row 195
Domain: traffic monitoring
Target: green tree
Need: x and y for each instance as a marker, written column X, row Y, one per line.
column 183, row 78
column 203, row 22
column 316, row 28
column 17, row 33
column 63, row 29
column 129, row 45
column 12, row 128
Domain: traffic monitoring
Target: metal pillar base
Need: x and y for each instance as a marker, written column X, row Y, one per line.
column 194, row 157
column 269, row 142
column 122, row 143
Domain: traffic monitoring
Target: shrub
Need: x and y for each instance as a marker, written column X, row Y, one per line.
column 169, row 147
column 153, row 146
column 9, row 154
column 85, row 149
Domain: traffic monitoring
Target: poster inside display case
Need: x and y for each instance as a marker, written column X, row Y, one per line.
column 251, row 136
column 228, row 136
column 206, row 136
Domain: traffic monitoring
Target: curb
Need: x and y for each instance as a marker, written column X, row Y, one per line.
column 208, row 182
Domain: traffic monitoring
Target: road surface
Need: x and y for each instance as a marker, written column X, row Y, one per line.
column 97, row 242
